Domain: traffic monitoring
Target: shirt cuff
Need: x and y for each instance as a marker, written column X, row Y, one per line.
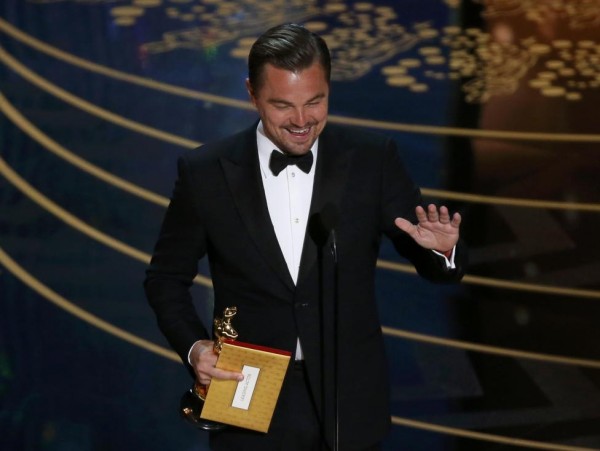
column 190, row 352
column 448, row 260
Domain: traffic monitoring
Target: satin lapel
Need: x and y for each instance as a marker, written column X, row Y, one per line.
column 330, row 179
column 242, row 172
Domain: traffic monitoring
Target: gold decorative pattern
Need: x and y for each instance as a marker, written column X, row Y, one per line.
column 364, row 35
column 576, row 14
column 488, row 68
column 183, row 92
column 225, row 21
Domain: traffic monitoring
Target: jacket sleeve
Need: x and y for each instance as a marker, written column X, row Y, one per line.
column 400, row 197
column 181, row 243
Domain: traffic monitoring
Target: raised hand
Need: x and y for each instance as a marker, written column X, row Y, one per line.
column 435, row 230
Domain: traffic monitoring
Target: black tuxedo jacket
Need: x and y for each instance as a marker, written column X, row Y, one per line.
column 218, row 209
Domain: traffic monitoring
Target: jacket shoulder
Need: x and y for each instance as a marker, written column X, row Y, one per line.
column 349, row 136
column 229, row 146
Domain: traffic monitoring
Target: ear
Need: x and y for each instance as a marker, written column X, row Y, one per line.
column 250, row 91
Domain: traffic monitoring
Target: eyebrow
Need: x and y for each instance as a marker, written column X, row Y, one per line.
column 285, row 102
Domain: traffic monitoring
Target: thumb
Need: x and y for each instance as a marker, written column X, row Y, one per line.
column 227, row 375
column 404, row 225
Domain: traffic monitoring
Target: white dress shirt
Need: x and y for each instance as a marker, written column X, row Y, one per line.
column 288, row 198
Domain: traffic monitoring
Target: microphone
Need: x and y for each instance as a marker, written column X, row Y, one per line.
column 322, row 224
column 330, row 216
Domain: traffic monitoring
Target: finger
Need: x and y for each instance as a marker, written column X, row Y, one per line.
column 456, row 220
column 432, row 213
column 444, row 215
column 421, row 215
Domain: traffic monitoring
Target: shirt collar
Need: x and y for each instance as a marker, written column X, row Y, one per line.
column 266, row 146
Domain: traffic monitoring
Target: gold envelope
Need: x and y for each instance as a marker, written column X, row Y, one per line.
column 250, row 403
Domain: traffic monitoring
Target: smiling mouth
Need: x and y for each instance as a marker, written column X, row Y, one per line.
column 299, row 132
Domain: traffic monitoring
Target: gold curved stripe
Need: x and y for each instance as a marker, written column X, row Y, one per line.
column 126, row 336
column 30, row 41
column 431, row 427
column 534, row 288
column 91, row 108
column 485, row 349
column 8, row 109
column 466, row 132
column 80, row 313
column 31, row 130
column 130, row 251
column 57, row 149
column 504, row 284
column 510, row 201
column 84, row 228
column 77, row 102
column 122, row 334
column 119, row 246
column 116, row 74
column 77, row 223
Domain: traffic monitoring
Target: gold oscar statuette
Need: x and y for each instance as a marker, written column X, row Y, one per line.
column 192, row 400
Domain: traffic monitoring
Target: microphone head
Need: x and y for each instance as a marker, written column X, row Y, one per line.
column 330, row 216
column 322, row 223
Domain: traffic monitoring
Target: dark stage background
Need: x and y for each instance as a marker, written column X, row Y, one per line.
column 494, row 104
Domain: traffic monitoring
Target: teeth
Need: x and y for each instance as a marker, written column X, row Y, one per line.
column 304, row 130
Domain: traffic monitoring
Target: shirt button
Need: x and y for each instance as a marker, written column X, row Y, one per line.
column 296, row 220
column 293, row 174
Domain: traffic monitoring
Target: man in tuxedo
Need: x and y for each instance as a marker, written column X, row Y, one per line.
column 264, row 206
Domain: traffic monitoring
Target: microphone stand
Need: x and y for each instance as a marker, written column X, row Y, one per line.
column 322, row 225
column 336, row 436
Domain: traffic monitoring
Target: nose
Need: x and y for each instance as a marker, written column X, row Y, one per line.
column 299, row 117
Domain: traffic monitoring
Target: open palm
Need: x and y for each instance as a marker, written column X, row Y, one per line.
column 435, row 229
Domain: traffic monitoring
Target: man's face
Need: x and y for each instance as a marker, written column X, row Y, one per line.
column 292, row 106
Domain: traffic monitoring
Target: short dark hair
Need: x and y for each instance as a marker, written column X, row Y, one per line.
column 289, row 46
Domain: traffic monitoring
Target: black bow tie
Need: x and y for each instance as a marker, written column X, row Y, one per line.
column 279, row 161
